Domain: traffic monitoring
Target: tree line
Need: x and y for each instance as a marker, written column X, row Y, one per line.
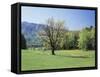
column 55, row 37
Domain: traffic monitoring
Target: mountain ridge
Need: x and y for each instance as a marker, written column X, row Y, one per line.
column 30, row 32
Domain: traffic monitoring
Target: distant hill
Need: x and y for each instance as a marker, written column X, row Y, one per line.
column 30, row 32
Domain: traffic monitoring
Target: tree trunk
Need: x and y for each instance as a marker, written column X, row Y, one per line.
column 53, row 53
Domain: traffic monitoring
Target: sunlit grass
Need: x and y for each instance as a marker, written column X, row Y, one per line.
column 39, row 59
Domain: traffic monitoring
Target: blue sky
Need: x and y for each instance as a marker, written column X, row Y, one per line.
column 75, row 19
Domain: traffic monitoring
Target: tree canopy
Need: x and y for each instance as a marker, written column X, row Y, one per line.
column 87, row 39
column 23, row 42
column 53, row 33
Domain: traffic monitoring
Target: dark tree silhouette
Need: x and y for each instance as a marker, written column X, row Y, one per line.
column 23, row 42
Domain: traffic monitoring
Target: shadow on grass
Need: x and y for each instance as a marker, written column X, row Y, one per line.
column 74, row 56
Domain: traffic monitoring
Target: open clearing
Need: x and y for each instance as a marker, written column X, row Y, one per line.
column 39, row 59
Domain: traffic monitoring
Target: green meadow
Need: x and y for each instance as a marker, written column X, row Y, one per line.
column 32, row 59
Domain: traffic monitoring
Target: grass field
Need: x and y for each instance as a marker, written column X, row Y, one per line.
column 38, row 59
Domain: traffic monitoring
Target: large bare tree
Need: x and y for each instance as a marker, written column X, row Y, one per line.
column 53, row 33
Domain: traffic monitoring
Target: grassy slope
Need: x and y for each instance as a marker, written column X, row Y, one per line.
column 36, row 59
